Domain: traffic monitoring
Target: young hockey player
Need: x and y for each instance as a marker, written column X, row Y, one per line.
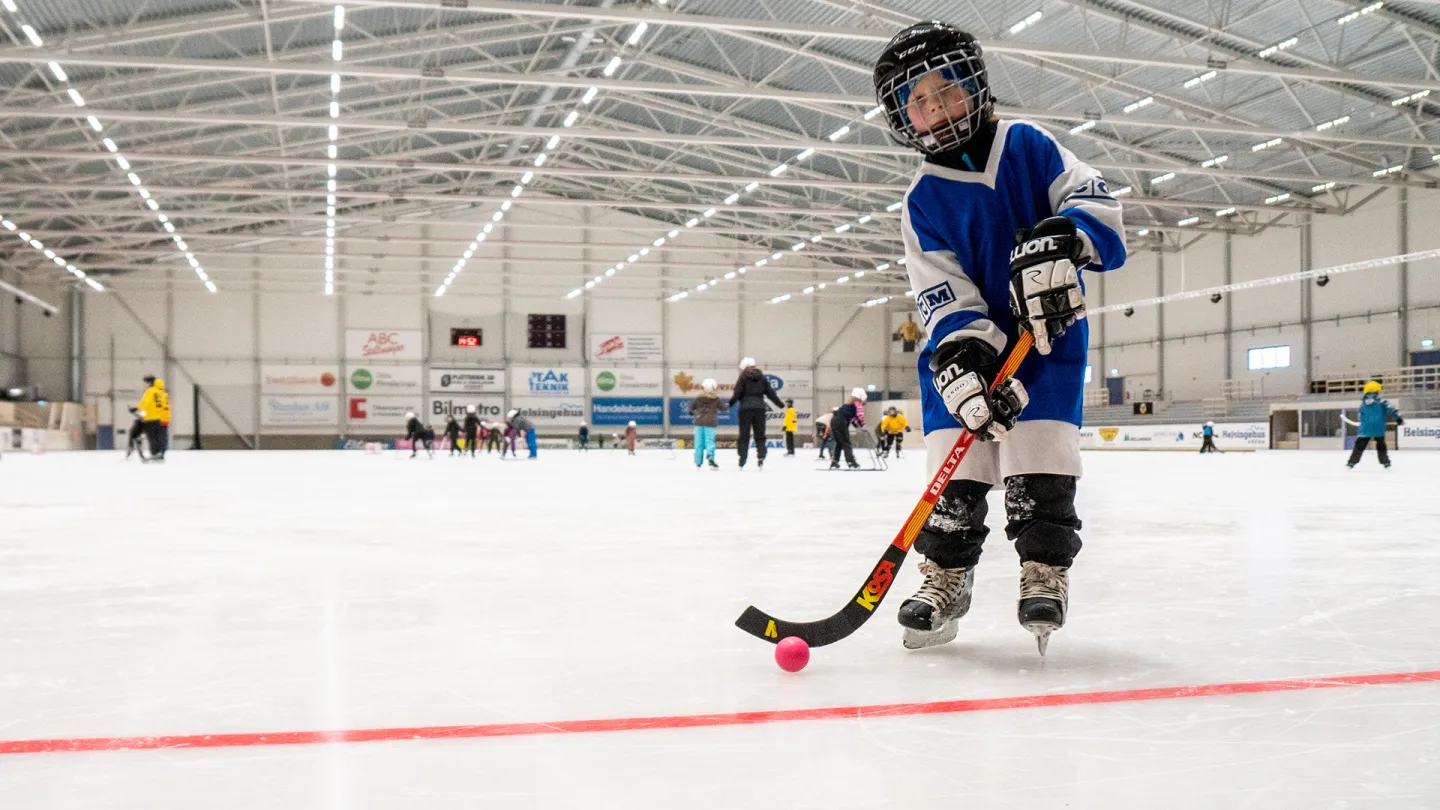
column 1207, row 437
column 632, row 434
column 495, row 437
column 472, row 430
column 997, row 225
column 752, row 389
column 706, row 411
column 822, row 431
column 892, row 432
column 418, row 433
column 1373, row 411
column 792, row 421
column 452, row 434
column 135, row 441
column 520, row 425
column 584, row 436
column 851, row 413
column 155, row 404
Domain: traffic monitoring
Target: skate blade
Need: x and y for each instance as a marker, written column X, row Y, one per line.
column 920, row 639
column 1042, row 631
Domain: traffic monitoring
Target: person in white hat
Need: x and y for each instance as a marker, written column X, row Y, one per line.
column 852, row 413
column 631, row 434
column 752, row 388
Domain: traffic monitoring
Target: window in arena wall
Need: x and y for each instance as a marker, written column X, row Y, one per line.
column 1268, row 357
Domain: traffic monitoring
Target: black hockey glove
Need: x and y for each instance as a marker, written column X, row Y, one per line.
column 1045, row 290
column 963, row 371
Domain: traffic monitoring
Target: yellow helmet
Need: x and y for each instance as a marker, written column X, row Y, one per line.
column 1372, row 387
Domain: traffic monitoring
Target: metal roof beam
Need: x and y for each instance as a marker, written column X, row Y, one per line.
column 259, row 67
column 788, row 179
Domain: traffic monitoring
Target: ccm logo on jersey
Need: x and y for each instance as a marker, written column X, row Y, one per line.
column 931, row 299
column 879, row 583
column 1037, row 245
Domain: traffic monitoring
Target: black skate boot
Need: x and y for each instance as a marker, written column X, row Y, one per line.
column 1044, row 600
column 713, row 465
column 932, row 616
column 835, row 465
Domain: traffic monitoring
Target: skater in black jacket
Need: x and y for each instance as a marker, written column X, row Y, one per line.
column 472, row 428
column 852, row 413
column 452, row 434
column 751, row 391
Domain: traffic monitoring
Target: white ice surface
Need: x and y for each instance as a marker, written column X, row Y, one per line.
column 263, row 592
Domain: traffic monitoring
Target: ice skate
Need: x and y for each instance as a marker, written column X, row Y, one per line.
column 932, row 616
column 713, row 465
column 1044, row 600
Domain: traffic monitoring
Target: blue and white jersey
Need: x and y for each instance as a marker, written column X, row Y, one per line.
column 959, row 228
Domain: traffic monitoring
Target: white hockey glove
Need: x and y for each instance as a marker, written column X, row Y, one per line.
column 1045, row 290
column 963, row 371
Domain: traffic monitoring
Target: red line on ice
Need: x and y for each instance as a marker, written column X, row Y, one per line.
column 703, row 720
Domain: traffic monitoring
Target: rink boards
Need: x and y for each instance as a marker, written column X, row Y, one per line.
column 1228, row 436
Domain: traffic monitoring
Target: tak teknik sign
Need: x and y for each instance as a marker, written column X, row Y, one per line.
column 383, row 380
column 383, row 344
column 467, row 381
column 545, row 381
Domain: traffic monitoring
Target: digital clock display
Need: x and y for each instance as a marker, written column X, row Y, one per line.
column 465, row 337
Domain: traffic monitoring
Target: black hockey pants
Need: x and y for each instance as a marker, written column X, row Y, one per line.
column 1042, row 521
column 842, row 444
column 752, row 421
column 1363, row 442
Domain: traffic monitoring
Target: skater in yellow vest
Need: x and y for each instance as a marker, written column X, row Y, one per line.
column 155, row 404
column 792, row 419
column 892, row 432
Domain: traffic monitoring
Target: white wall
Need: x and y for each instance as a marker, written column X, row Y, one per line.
column 12, row 365
column 1352, row 324
column 221, row 339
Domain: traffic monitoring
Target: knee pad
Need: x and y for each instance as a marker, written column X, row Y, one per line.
column 1041, row 496
column 960, row 508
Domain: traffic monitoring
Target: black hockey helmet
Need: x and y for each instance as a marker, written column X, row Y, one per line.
column 955, row 57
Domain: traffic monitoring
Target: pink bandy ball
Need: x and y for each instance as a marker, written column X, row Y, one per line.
column 792, row 654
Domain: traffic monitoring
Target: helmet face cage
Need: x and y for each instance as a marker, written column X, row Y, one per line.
column 960, row 77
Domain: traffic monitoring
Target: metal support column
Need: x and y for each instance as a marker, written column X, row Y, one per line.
column 1229, row 308
column 257, row 380
column 1160, row 326
column 77, row 345
column 1403, row 227
column 1307, row 298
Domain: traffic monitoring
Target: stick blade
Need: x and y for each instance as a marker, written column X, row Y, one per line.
column 763, row 626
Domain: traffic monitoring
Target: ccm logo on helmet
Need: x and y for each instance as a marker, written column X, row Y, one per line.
column 1036, row 245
